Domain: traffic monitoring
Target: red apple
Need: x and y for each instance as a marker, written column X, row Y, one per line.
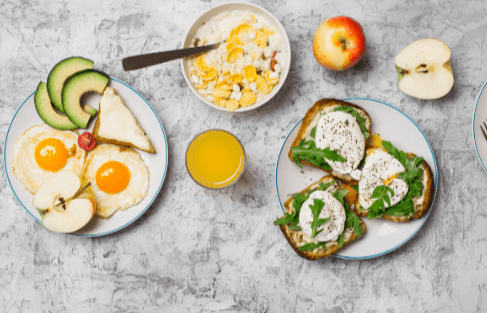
column 339, row 43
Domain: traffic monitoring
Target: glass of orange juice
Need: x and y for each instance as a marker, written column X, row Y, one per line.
column 215, row 159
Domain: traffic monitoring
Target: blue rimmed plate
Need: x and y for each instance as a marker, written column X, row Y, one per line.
column 26, row 116
column 382, row 236
column 479, row 117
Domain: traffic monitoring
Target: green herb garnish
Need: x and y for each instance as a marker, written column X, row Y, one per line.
column 381, row 193
column 311, row 246
column 307, row 151
column 316, row 209
column 313, row 132
column 360, row 120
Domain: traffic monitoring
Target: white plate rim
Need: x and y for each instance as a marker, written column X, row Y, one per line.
column 473, row 127
column 425, row 217
column 126, row 224
column 281, row 83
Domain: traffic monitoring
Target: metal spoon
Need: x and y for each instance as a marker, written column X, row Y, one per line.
column 145, row 60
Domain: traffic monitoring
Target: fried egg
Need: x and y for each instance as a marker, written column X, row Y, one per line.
column 42, row 151
column 381, row 168
column 119, row 178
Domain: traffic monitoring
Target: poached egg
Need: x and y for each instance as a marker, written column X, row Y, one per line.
column 332, row 209
column 340, row 132
column 381, row 168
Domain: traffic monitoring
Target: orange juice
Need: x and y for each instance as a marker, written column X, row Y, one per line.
column 215, row 159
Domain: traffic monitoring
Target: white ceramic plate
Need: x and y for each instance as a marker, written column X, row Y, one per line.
column 382, row 236
column 479, row 117
column 27, row 116
column 253, row 9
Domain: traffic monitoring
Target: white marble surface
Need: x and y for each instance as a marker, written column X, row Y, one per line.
column 196, row 250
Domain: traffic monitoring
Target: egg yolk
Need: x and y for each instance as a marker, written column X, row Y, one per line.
column 51, row 154
column 112, row 177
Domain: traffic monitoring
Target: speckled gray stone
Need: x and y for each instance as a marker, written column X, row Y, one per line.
column 196, row 250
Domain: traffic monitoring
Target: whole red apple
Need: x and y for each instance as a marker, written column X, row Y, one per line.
column 339, row 43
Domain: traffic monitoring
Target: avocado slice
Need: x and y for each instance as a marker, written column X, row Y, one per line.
column 74, row 87
column 47, row 112
column 60, row 73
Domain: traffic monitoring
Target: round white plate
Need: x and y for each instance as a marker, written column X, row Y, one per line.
column 479, row 118
column 27, row 116
column 382, row 236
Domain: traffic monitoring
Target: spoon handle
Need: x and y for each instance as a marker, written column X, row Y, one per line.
column 145, row 60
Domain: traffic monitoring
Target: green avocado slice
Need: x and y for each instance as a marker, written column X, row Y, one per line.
column 47, row 112
column 60, row 73
column 77, row 85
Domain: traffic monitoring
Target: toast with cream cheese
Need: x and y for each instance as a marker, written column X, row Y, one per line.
column 353, row 229
column 419, row 194
column 117, row 125
column 316, row 119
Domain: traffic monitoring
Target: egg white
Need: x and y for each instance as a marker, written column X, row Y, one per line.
column 24, row 164
column 136, row 190
column 340, row 132
column 332, row 209
column 378, row 167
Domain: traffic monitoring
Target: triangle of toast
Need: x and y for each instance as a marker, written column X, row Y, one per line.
column 117, row 125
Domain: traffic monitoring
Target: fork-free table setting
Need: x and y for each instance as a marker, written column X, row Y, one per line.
column 202, row 234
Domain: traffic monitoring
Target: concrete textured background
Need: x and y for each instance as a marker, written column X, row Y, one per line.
column 196, row 250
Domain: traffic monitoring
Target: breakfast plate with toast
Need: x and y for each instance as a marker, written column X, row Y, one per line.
column 140, row 163
column 378, row 165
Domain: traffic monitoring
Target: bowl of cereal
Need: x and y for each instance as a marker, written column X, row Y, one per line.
column 250, row 65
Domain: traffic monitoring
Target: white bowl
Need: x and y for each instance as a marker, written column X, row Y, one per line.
column 252, row 8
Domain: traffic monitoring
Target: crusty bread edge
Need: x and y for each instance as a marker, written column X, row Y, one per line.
column 428, row 192
column 100, row 139
column 318, row 253
column 310, row 114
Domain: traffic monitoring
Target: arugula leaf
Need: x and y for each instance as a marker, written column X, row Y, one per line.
column 311, row 246
column 340, row 194
column 414, row 170
column 340, row 240
column 307, row 151
column 316, row 209
column 325, row 186
column 362, row 163
column 294, row 228
column 403, row 208
column 381, row 193
column 360, row 120
column 353, row 221
column 391, row 149
column 355, row 187
column 406, row 206
column 313, row 132
column 288, row 218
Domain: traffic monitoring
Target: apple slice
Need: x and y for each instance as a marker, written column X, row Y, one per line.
column 424, row 69
column 60, row 211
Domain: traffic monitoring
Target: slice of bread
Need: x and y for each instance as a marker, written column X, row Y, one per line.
column 297, row 238
column 116, row 124
column 311, row 120
column 421, row 203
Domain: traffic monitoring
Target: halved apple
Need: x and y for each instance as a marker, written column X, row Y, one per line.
column 62, row 209
column 424, row 69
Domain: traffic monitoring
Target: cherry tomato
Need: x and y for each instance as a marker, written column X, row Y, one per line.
column 86, row 141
